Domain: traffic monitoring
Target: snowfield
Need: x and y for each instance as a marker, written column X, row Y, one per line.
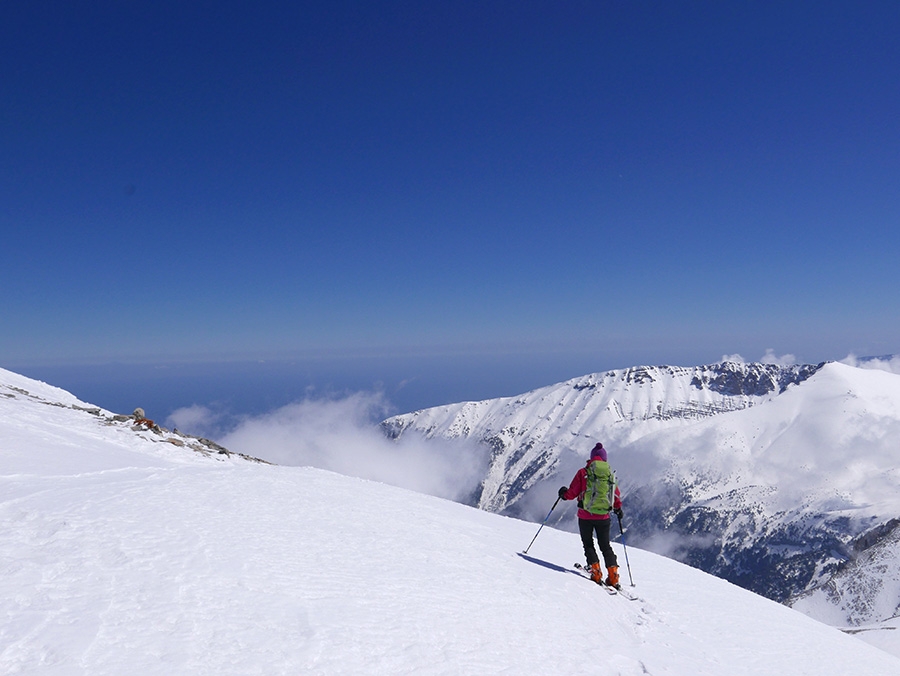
column 123, row 552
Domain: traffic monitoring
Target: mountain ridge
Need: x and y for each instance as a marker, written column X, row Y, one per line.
column 598, row 401
column 737, row 469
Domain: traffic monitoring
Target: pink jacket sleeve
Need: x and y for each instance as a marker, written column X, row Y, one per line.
column 579, row 483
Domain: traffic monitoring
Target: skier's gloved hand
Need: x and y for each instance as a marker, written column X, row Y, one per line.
column 618, row 512
column 562, row 492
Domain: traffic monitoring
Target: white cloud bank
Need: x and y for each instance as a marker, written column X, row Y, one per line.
column 195, row 419
column 339, row 435
column 768, row 358
column 891, row 363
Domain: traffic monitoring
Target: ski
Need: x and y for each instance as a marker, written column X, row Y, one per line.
column 609, row 589
column 626, row 594
column 585, row 572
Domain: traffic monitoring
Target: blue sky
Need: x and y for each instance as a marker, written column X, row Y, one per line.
column 582, row 184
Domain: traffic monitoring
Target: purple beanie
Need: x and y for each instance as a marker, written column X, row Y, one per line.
column 598, row 452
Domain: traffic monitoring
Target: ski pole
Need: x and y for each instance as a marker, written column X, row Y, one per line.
column 624, row 546
column 542, row 525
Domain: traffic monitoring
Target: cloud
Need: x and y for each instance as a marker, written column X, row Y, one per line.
column 198, row 419
column 678, row 545
column 339, row 435
column 770, row 358
column 890, row 363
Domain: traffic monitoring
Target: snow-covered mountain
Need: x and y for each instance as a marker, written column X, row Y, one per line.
column 531, row 436
column 785, row 480
column 122, row 552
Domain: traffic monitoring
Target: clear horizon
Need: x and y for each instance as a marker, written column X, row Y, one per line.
column 210, row 398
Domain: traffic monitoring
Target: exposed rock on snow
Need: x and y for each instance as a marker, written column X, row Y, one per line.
column 13, row 386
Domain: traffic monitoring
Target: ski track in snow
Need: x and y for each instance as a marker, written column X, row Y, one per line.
column 158, row 560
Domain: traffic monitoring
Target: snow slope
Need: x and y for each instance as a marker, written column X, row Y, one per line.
column 122, row 553
column 777, row 479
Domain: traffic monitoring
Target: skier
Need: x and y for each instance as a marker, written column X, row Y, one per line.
column 595, row 488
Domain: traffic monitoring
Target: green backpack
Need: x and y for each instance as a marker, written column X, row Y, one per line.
column 601, row 487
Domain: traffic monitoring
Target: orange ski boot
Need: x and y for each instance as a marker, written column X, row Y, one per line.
column 613, row 579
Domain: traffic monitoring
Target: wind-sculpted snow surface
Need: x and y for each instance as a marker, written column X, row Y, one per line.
column 768, row 476
column 123, row 555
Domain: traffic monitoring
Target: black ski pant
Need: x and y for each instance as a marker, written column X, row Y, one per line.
column 587, row 528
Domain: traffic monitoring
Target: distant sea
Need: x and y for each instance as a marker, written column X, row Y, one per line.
column 248, row 388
